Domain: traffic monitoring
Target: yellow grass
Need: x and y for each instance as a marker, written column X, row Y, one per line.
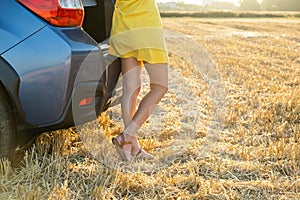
column 255, row 156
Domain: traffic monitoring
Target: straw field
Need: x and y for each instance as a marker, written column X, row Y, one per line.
column 240, row 140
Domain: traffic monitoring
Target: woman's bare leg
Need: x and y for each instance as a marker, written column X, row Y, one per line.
column 131, row 77
column 158, row 74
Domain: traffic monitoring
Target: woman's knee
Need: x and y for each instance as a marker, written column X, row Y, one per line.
column 161, row 89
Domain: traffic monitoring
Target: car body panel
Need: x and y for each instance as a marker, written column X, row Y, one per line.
column 45, row 61
column 45, row 73
column 43, row 77
column 13, row 34
column 46, row 70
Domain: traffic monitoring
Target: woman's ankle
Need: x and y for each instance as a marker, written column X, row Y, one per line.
column 134, row 141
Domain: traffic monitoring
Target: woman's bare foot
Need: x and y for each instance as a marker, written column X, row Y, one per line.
column 142, row 154
column 131, row 149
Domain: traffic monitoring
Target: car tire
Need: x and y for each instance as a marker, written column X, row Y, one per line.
column 8, row 131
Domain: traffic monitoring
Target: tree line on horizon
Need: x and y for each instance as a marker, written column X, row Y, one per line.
column 244, row 5
column 270, row 5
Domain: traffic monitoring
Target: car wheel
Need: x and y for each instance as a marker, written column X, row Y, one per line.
column 8, row 131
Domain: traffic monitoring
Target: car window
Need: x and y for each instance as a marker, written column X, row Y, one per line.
column 89, row 3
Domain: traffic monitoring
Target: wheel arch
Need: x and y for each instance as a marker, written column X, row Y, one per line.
column 8, row 132
column 9, row 83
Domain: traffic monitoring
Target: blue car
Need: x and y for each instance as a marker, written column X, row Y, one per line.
column 53, row 68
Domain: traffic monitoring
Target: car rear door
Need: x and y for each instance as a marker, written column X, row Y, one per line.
column 97, row 23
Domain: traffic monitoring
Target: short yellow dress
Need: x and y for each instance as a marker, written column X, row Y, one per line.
column 137, row 31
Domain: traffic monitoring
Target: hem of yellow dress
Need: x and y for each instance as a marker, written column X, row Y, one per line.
column 150, row 61
column 161, row 59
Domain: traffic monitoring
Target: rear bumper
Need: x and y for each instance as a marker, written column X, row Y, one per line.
column 75, row 114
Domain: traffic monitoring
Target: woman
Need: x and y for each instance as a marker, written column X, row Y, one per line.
column 137, row 38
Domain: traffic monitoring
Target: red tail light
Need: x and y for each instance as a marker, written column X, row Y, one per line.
column 64, row 13
column 86, row 101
